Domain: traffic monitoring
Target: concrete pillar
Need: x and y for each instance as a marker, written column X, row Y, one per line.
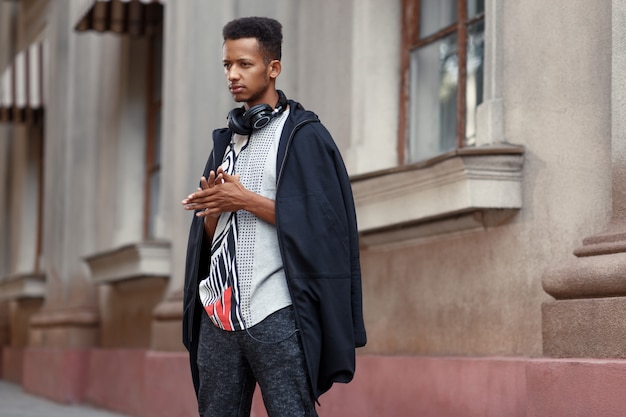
column 69, row 318
column 588, row 317
column 6, row 134
column 195, row 101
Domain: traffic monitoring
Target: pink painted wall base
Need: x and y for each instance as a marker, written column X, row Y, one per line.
column 586, row 387
column 168, row 386
column 57, row 374
column 116, row 380
column 158, row 384
column 11, row 367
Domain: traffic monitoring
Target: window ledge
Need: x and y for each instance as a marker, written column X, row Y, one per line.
column 21, row 286
column 130, row 262
column 462, row 190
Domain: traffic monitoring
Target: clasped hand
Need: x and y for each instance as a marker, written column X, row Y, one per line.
column 218, row 194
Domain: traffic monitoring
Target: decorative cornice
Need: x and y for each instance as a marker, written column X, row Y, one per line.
column 72, row 317
column 21, row 286
column 139, row 260
column 457, row 191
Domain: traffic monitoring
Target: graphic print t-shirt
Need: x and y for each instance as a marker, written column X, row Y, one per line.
column 246, row 282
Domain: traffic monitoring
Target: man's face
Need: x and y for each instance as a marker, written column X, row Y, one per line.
column 249, row 79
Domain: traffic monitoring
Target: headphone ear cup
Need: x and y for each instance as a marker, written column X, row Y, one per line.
column 236, row 122
column 245, row 122
column 258, row 116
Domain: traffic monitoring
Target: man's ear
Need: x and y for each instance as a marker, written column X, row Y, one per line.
column 274, row 68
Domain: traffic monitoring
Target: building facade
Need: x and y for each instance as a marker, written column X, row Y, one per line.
column 484, row 139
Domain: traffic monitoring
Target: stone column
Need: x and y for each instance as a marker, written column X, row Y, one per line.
column 588, row 316
column 195, row 101
column 69, row 318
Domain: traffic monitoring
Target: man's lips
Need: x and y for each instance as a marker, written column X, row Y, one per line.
column 234, row 89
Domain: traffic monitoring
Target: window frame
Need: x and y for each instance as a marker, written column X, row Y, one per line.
column 411, row 41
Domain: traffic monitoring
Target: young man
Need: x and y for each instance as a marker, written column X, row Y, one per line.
column 273, row 280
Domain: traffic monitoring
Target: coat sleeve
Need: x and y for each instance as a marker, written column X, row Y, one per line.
column 360, row 338
column 319, row 241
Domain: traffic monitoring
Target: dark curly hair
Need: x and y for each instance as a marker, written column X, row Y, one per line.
column 267, row 31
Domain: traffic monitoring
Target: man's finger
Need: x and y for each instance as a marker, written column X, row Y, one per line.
column 231, row 178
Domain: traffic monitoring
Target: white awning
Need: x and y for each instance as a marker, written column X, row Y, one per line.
column 21, row 86
column 131, row 17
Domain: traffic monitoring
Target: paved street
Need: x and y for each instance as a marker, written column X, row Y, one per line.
column 15, row 403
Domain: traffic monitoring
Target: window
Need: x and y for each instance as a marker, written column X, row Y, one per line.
column 443, row 76
column 468, row 177
column 153, row 135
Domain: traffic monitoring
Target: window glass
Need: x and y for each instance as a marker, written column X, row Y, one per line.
column 474, row 83
column 475, row 8
column 434, row 81
column 436, row 15
column 445, row 71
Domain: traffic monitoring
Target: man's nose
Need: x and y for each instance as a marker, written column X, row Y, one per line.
column 232, row 74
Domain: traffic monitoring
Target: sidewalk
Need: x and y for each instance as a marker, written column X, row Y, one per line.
column 15, row 403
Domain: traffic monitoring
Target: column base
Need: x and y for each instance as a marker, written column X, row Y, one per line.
column 591, row 327
column 167, row 318
column 67, row 328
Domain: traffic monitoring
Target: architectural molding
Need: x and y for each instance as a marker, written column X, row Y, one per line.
column 20, row 286
column 138, row 260
column 458, row 191
column 66, row 317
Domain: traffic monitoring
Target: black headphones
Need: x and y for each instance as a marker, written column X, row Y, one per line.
column 256, row 117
